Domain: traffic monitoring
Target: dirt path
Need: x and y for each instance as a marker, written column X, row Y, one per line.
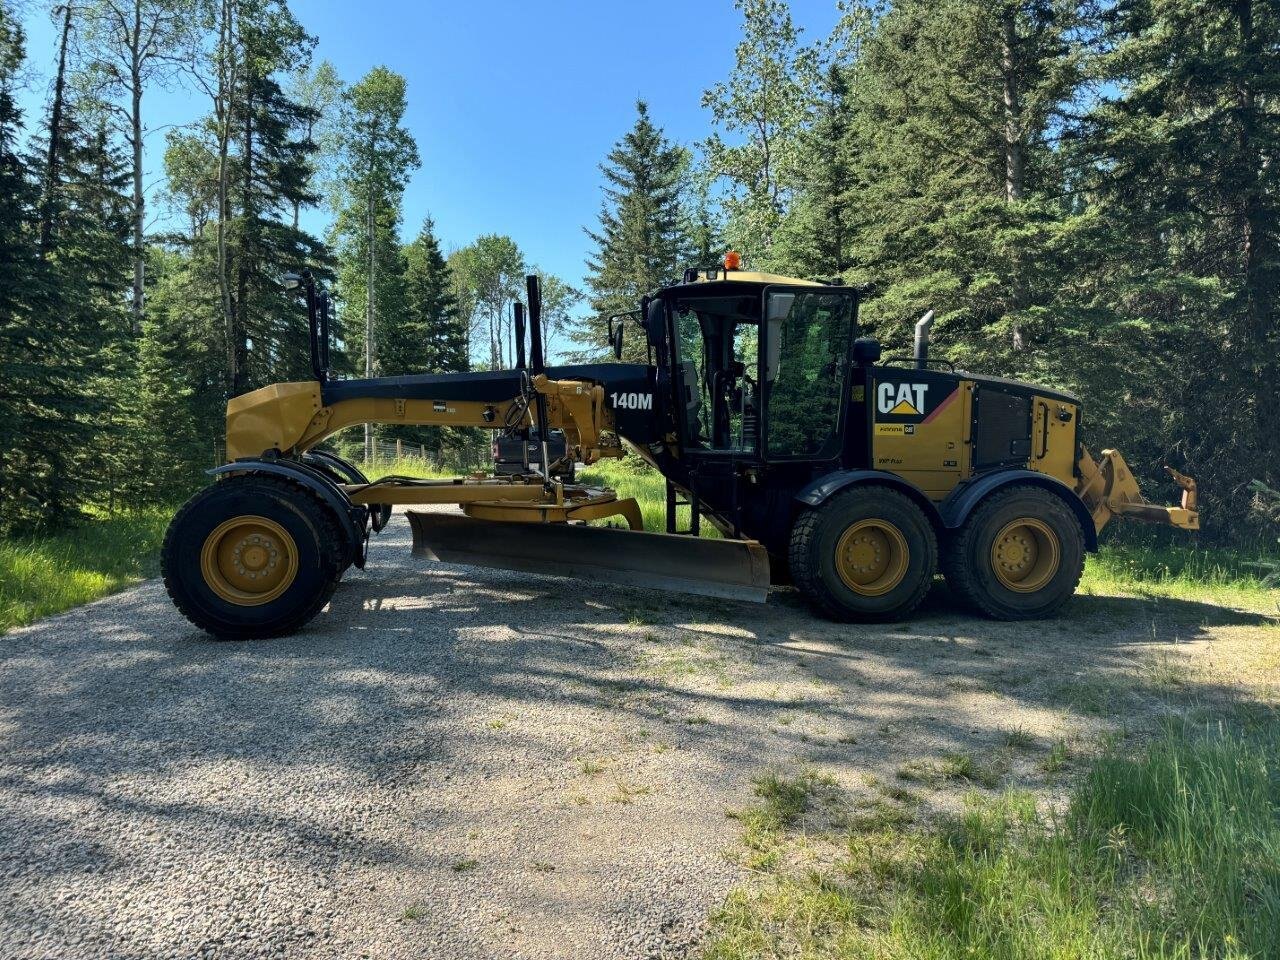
column 463, row 763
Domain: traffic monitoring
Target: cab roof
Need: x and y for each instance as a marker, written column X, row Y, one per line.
column 699, row 275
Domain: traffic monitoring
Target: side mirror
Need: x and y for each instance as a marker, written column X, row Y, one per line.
column 292, row 281
column 866, row 351
column 616, row 326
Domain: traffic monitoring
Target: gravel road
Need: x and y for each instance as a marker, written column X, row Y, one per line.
column 452, row 762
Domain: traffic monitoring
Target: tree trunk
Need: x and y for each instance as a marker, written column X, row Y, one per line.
column 222, row 109
column 247, row 224
column 368, row 322
column 1014, row 178
column 139, row 199
column 55, row 139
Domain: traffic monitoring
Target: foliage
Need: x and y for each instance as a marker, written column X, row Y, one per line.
column 54, row 572
column 1166, row 853
column 641, row 239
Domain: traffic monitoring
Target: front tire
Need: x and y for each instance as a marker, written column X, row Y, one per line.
column 1018, row 556
column 252, row 557
column 868, row 554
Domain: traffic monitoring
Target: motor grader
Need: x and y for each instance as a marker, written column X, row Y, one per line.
column 852, row 477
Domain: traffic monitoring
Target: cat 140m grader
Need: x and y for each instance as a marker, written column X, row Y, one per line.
column 851, row 477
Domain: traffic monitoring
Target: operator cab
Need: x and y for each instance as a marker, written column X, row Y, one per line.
column 759, row 363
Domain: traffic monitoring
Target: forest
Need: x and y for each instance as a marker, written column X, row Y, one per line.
column 1087, row 194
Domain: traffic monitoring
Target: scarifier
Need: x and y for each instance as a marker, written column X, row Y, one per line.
column 821, row 464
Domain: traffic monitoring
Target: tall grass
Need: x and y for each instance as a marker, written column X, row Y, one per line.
column 1171, row 854
column 44, row 575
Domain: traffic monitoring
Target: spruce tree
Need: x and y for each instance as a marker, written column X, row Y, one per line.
column 427, row 334
column 1179, row 159
column 24, row 294
column 960, row 194
column 640, row 240
column 817, row 236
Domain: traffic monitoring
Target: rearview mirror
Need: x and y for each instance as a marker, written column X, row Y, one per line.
column 616, row 325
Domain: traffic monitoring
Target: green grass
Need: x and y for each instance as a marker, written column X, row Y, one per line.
column 1168, row 853
column 44, row 575
column 1228, row 577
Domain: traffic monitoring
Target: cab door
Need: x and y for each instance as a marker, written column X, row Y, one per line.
column 805, row 378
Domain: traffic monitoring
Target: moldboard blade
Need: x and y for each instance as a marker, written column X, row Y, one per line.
column 733, row 569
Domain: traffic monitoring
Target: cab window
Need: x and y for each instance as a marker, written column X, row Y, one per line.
column 718, row 353
column 807, row 342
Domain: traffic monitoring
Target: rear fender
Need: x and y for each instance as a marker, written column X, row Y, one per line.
column 966, row 496
column 351, row 517
column 824, row 488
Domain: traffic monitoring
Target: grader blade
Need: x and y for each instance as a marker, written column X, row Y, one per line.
column 731, row 569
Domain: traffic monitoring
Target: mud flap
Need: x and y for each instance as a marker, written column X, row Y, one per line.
column 732, row 569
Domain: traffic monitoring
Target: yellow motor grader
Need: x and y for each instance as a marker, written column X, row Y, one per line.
column 852, row 477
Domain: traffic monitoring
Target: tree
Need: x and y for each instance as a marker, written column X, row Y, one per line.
column 641, row 240
column 762, row 109
column 23, row 292
column 1179, row 157
column 492, row 271
column 127, row 47
column 427, row 335
column 960, row 196
column 319, row 90
column 378, row 155
column 816, row 238
column 559, row 300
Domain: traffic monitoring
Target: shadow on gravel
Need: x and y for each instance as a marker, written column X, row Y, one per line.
column 400, row 679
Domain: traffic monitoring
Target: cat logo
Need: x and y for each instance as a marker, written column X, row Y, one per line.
column 901, row 399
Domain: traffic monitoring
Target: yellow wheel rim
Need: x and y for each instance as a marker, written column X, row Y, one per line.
column 249, row 560
column 1025, row 555
column 872, row 557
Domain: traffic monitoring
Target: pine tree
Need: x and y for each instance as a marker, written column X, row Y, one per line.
column 1180, row 160
column 960, row 195
column 817, row 236
column 427, row 334
column 641, row 240
column 23, row 294
column 273, row 172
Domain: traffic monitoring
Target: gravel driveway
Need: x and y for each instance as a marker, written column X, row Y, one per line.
column 453, row 762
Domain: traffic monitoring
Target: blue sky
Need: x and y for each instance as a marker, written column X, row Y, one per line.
column 513, row 104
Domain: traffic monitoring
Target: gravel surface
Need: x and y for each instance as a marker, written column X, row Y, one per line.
column 452, row 762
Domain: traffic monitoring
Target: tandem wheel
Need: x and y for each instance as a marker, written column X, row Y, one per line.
column 869, row 553
column 252, row 557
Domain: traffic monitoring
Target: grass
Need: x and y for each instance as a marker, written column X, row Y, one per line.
column 1227, row 577
column 1170, row 852
column 44, row 575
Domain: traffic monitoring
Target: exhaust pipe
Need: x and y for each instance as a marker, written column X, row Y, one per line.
column 922, row 340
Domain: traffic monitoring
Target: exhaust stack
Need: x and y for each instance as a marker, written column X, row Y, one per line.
column 922, row 341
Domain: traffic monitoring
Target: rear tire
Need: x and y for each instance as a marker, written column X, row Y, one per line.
column 252, row 557
column 1018, row 556
column 868, row 554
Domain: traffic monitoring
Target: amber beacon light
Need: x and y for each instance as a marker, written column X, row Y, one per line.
column 733, row 260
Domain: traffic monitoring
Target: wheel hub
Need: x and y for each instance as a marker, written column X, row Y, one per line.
column 249, row 560
column 871, row 557
column 1025, row 555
